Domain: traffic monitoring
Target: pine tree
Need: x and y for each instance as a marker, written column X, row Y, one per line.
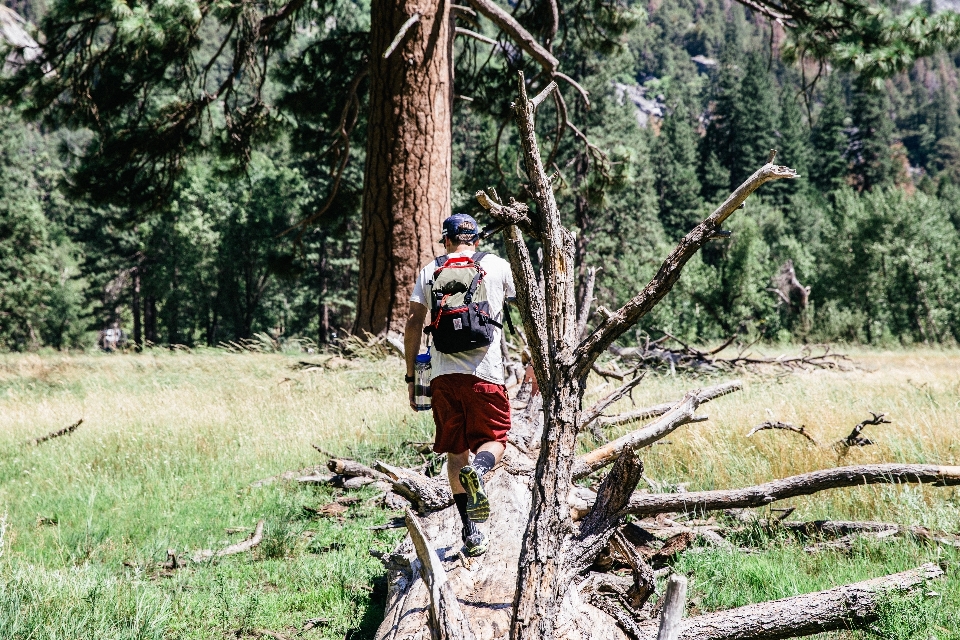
column 716, row 152
column 793, row 148
column 754, row 121
column 828, row 169
column 873, row 162
column 678, row 186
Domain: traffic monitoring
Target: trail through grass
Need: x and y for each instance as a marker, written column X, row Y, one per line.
column 172, row 441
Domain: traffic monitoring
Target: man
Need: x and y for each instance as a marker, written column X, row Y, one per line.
column 470, row 404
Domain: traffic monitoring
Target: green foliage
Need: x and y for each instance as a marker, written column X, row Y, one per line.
column 37, row 302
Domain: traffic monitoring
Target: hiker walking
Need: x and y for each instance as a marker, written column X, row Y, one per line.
column 464, row 291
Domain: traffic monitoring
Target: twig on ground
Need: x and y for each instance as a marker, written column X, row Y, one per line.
column 233, row 549
column 56, row 434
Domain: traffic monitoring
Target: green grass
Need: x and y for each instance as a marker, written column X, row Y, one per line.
column 171, row 443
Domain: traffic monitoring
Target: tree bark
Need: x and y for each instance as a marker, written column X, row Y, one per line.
column 135, row 308
column 408, row 167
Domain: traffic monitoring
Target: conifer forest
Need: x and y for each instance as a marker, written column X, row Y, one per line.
column 194, row 180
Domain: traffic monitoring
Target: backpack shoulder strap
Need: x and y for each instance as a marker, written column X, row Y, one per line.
column 479, row 255
column 440, row 260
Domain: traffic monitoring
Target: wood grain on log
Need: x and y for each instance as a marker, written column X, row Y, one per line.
column 851, row 606
column 674, row 603
column 446, row 617
column 602, row 521
column 800, row 485
column 541, row 576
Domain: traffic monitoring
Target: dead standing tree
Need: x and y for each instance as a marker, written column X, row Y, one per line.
column 535, row 581
column 552, row 550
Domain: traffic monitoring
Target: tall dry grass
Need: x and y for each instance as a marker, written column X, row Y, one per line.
column 171, row 442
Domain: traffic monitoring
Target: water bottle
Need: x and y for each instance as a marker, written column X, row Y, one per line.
column 421, row 380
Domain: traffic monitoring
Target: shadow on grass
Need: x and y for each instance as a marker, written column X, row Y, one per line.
column 374, row 612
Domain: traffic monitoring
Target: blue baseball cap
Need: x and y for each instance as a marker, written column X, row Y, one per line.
column 459, row 224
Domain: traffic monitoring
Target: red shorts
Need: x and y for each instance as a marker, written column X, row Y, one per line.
column 468, row 412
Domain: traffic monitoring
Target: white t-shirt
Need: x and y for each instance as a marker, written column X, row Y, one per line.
column 485, row 363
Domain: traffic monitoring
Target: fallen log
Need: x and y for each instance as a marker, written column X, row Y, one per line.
column 56, row 434
column 846, row 528
column 485, row 586
column 851, row 606
column 800, row 485
column 705, row 395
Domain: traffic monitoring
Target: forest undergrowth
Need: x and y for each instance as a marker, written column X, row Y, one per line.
column 172, row 442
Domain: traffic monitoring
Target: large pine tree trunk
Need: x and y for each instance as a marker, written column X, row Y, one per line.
column 407, row 177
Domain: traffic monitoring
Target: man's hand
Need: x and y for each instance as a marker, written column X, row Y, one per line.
column 411, row 392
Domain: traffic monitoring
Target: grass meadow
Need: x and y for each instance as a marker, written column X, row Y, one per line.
column 171, row 442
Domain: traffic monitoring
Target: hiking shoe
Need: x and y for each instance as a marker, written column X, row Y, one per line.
column 474, row 544
column 478, row 505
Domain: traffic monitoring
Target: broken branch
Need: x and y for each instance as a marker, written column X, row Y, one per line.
column 628, row 315
column 705, row 395
column 460, row 31
column 446, row 617
column 799, row 485
column 412, row 20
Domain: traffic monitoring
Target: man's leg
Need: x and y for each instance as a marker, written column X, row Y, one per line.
column 473, row 540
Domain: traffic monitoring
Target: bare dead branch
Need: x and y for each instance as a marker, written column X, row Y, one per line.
column 680, row 415
column 543, row 95
column 855, row 439
column 590, row 415
column 412, row 20
column 56, row 434
column 628, row 315
column 601, row 523
column 447, row 620
column 460, row 31
column 782, row 425
column 583, row 316
column 705, row 395
column 799, row 485
column 355, row 469
column 584, row 94
column 655, row 354
column 523, row 38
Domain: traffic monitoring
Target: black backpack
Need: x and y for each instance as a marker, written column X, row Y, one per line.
column 459, row 305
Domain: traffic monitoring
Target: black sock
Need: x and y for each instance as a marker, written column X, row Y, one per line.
column 460, row 499
column 483, row 462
